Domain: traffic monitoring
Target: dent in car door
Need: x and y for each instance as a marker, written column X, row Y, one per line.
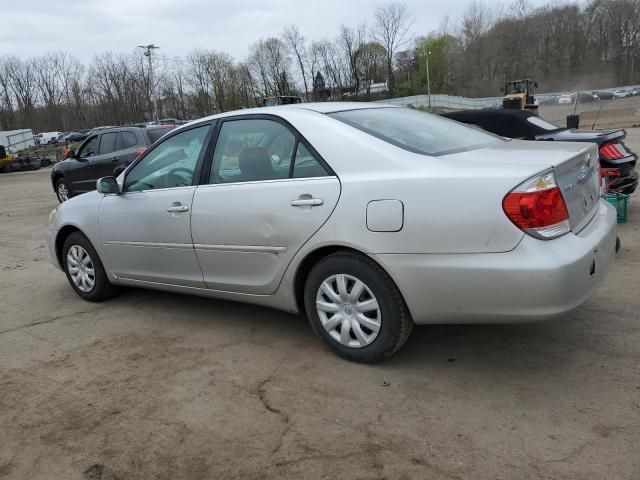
column 245, row 234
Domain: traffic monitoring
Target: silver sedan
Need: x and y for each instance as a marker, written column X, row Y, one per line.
column 365, row 218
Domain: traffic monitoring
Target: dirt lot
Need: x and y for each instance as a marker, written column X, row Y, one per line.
column 162, row 386
column 623, row 112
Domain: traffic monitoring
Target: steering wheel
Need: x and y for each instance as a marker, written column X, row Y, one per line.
column 175, row 180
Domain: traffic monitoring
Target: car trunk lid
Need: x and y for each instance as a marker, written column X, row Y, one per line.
column 575, row 166
column 579, row 181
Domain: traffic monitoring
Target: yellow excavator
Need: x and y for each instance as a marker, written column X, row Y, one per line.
column 519, row 95
column 6, row 159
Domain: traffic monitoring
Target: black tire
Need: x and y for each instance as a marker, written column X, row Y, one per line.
column 395, row 323
column 102, row 288
column 62, row 181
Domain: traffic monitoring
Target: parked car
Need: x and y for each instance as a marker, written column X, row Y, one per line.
column 620, row 94
column 367, row 218
column 46, row 138
column 564, row 99
column 107, row 152
column 71, row 137
column 613, row 153
column 585, row 97
column 604, row 95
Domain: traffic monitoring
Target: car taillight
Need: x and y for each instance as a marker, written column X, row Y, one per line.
column 140, row 151
column 537, row 207
column 611, row 151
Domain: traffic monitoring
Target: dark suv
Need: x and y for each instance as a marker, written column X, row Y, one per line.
column 107, row 153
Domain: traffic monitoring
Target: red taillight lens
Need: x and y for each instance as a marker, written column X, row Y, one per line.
column 140, row 151
column 611, row 151
column 537, row 207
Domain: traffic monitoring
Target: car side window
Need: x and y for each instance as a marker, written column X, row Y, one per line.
column 306, row 164
column 119, row 142
column 89, row 148
column 129, row 139
column 108, row 143
column 252, row 150
column 172, row 163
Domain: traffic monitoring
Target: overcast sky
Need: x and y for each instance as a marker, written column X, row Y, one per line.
column 86, row 27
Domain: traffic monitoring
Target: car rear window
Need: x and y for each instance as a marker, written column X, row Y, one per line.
column 416, row 131
column 155, row 133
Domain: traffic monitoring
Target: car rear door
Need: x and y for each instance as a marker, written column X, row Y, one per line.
column 266, row 194
column 133, row 145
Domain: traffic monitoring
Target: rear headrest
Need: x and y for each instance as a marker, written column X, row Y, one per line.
column 254, row 163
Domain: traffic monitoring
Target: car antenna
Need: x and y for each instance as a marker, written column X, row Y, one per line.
column 596, row 119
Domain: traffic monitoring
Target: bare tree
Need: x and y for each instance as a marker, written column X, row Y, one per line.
column 391, row 28
column 296, row 43
column 350, row 42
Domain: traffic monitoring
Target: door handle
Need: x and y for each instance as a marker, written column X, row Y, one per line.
column 115, row 159
column 307, row 202
column 177, row 208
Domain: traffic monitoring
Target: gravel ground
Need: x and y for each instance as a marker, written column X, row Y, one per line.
column 164, row 386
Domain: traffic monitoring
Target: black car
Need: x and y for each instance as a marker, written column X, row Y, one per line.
column 525, row 125
column 106, row 153
column 74, row 137
column 604, row 95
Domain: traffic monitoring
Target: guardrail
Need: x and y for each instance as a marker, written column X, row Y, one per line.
column 447, row 101
column 466, row 103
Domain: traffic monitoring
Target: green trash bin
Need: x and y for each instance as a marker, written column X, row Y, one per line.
column 621, row 204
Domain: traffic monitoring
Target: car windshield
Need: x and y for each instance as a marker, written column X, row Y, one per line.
column 542, row 123
column 416, row 131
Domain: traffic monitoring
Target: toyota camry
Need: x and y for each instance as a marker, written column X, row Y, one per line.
column 366, row 218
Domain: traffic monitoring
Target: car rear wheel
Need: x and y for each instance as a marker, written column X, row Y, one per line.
column 354, row 306
column 84, row 269
column 63, row 191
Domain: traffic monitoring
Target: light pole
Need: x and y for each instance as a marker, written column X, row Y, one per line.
column 428, row 82
column 148, row 49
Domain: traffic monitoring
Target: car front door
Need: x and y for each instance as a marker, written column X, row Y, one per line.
column 268, row 192
column 103, row 164
column 145, row 231
column 80, row 176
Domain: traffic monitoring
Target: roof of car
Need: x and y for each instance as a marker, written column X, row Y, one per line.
column 331, row 107
column 320, row 107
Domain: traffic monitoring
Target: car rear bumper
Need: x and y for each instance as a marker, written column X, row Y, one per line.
column 535, row 281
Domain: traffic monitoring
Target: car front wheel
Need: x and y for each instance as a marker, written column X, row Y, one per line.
column 354, row 305
column 84, row 269
column 63, row 191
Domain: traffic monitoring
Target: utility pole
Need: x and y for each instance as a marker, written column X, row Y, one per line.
column 148, row 50
column 428, row 82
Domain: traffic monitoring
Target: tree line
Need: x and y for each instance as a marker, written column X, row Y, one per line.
column 561, row 45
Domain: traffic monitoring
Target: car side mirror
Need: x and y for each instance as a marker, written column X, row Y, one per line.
column 107, row 185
